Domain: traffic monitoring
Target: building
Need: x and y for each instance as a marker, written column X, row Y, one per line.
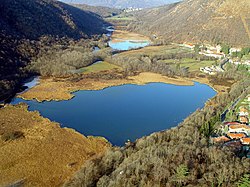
column 244, row 119
column 239, row 129
column 233, row 50
column 245, row 141
column 214, row 54
column 235, row 136
column 188, row 45
column 243, row 112
column 232, row 123
column 221, row 139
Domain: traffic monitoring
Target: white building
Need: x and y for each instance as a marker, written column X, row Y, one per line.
column 239, row 129
column 233, row 50
column 210, row 53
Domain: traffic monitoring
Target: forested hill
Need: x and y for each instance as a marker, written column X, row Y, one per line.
column 217, row 21
column 35, row 18
column 123, row 3
column 24, row 24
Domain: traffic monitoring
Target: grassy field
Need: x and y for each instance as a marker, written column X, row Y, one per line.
column 101, row 66
column 246, row 57
column 156, row 50
column 196, row 65
column 119, row 35
column 192, row 64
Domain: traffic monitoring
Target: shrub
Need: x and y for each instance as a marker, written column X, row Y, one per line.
column 12, row 136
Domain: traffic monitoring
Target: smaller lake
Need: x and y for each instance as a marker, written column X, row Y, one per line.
column 33, row 82
column 128, row 44
column 125, row 112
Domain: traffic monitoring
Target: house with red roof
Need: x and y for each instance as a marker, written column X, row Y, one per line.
column 236, row 135
column 242, row 128
column 220, row 139
column 245, row 141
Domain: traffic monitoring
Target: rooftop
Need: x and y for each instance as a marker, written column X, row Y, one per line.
column 232, row 123
column 245, row 141
column 236, row 135
column 241, row 126
column 220, row 139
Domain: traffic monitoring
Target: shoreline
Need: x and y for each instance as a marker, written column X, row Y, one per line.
column 49, row 90
column 121, row 35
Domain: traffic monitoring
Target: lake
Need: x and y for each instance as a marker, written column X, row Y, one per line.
column 127, row 44
column 125, row 112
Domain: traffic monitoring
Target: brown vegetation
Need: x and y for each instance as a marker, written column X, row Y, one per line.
column 120, row 35
column 61, row 89
column 39, row 152
column 213, row 21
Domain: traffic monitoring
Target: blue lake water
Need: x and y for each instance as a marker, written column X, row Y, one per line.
column 126, row 45
column 125, row 112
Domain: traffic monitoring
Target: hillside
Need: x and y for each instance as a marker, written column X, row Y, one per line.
column 23, row 24
column 99, row 10
column 35, row 152
column 216, row 21
column 33, row 19
column 123, row 3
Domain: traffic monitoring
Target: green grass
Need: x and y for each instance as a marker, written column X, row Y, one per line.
column 102, row 66
column 192, row 64
column 246, row 57
column 196, row 65
column 156, row 50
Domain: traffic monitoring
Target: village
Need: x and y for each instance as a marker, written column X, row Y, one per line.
column 236, row 133
column 234, row 129
column 225, row 54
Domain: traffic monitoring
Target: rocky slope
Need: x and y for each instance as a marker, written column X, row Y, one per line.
column 214, row 21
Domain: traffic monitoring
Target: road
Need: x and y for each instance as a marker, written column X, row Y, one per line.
column 223, row 62
column 223, row 115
